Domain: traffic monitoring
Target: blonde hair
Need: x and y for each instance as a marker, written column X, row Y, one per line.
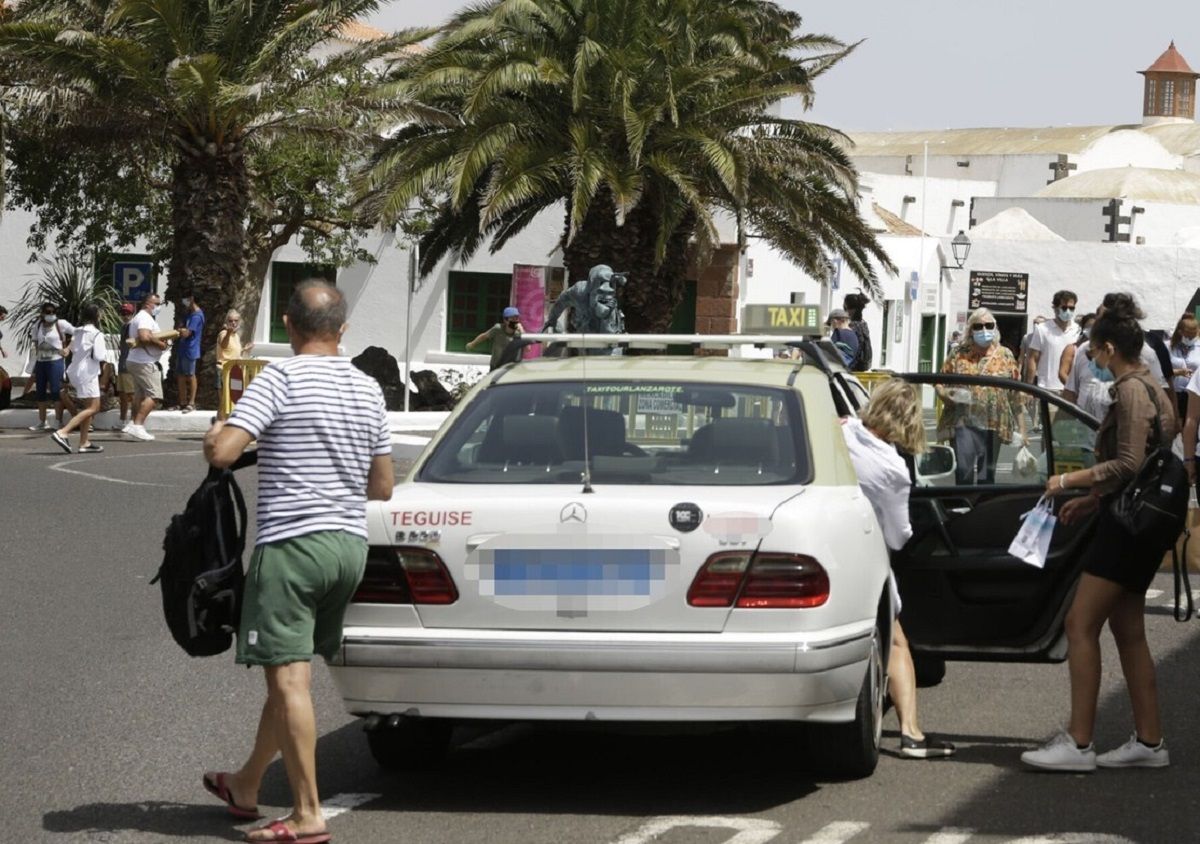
column 894, row 412
column 233, row 312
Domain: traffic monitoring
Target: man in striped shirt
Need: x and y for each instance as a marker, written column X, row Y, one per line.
column 324, row 449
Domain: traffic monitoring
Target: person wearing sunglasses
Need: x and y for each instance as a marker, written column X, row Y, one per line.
column 976, row 421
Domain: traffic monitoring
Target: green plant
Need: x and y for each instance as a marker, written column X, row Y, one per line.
column 67, row 283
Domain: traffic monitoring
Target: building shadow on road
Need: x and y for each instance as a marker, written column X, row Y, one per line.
column 583, row 769
column 155, row 818
column 1105, row 806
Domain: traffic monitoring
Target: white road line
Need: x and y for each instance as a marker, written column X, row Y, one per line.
column 1151, row 594
column 950, row 835
column 836, row 833
column 409, row 439
column 749, row 830
column 61, row 466
column 342, row 803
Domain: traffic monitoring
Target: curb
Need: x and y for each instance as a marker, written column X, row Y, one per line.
column 197, row 422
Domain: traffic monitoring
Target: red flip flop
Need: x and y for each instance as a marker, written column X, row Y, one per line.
column 280, row 832
column 214, row 784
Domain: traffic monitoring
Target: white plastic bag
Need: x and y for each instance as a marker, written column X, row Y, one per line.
column 1032, row 542
column 1025, row 463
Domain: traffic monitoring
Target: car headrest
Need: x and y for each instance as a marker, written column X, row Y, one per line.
column 606, row 432
column 746, row 441
column 521, row 438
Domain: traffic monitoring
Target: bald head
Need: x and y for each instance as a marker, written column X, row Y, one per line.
column 317, row 310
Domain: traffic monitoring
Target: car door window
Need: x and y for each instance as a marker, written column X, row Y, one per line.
column 982, row 436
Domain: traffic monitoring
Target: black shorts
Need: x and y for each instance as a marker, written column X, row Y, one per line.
column 1115, row 554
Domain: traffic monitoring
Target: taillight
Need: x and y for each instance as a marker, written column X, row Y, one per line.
column 719, row 579
column 405, row 576
column 759, row 581
column 784, row 581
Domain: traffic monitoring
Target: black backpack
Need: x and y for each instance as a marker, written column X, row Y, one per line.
column 862, row 361
column 1153, row 505
column 201, row 572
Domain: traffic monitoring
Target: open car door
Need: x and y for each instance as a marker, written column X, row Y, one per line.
column 964, row 596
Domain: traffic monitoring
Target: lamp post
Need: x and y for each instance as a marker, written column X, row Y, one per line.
column 960, row 248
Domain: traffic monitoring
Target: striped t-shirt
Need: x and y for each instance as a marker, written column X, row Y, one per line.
column 319, row 421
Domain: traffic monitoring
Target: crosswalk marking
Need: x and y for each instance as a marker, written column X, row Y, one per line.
column 950, row 835
column 749, row 830
column 340, row 804
column 836, row 833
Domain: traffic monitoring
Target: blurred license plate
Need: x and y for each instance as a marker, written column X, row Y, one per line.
column 577, row 571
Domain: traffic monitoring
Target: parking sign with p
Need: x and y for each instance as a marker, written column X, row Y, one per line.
column 134, row 280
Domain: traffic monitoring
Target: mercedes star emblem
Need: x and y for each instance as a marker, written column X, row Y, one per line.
column 573, row 512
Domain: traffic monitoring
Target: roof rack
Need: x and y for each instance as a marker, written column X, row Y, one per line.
column 662, row 341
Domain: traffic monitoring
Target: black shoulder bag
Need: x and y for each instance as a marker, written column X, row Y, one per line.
column 1154, row 504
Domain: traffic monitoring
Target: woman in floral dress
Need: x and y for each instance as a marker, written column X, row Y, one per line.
column 977, row 420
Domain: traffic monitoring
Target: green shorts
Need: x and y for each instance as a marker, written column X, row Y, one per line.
column 296, row 596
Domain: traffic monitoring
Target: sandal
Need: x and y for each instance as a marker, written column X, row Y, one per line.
column 280, row 832
column 214, row 784
column 91, row 448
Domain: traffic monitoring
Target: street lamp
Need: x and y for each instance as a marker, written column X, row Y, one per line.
column 961, row 247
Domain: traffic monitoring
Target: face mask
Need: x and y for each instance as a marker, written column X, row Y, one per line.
column 1100, row 373
column 1066, row 314
column 983, row 337
column 1087, row 332
column 49, row 318
column 187, row 303
column 154, row 311
column 1190, row 343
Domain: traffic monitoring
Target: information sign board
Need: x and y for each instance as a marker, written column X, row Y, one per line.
column 999, row 291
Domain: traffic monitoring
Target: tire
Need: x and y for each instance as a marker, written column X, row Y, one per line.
column 929, row 670
column 852, row 750
column 415, row 744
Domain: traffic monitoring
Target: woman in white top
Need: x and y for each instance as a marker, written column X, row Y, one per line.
column 1185, row 358
column 893, row 418
column 88, row 354
column 51, row 343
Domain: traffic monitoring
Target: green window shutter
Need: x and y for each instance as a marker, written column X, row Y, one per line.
column 285, row 275
column 474, row 304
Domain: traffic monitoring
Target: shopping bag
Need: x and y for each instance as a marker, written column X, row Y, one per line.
column 1026, row 463
column 1032, row 542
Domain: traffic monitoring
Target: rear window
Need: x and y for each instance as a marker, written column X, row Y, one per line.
column 636, row 433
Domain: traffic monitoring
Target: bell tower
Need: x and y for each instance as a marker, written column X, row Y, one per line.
column 1170, row 90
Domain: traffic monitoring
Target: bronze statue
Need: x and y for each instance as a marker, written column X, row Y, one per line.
column 593, row 304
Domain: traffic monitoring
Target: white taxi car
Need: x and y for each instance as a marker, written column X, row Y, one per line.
column 626, row 538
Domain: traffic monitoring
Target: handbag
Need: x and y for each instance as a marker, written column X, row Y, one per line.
column 1032, row 542
column 1154, row 503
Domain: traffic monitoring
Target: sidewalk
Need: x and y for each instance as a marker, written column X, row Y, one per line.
column 197, row 422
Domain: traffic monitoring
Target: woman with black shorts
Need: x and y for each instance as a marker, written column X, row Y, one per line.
column 1117, row 566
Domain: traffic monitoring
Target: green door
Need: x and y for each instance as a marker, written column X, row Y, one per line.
column 931, row 352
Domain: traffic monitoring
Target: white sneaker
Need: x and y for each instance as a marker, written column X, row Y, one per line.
column 1134, row 754
column 1061, row 753
column 41, row 426
column 139, row 432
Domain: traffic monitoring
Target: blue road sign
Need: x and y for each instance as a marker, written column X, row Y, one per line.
column 134, row 280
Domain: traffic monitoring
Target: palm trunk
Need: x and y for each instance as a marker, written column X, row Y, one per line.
column 210, row 194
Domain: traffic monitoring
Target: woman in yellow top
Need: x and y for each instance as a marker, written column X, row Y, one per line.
column 229, row 344
column 977, row 420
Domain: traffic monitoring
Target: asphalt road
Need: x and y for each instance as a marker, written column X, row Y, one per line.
column 105, row 726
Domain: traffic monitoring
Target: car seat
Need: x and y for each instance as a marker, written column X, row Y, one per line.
column 521, row 439
column 748, row 442
column 606, row 432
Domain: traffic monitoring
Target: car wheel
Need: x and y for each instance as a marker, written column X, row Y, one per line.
column 929, row 670
column 852, row 750
column 415, row 744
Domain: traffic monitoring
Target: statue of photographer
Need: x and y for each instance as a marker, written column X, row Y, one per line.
column 593, row 304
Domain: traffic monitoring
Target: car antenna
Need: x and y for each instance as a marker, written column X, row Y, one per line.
column 587, row 460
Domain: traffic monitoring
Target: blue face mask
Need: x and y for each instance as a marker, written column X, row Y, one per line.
column 1100, row 373
column 1066, row 314
column 983, row 337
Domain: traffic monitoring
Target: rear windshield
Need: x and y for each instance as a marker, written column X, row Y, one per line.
column 636, row 433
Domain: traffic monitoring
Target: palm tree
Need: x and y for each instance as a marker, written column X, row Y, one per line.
column 206, row 84
column 69, row 284
column 646, row 120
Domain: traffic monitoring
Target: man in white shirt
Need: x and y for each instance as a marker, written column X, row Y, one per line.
column 1048, row 341
column 142, row 366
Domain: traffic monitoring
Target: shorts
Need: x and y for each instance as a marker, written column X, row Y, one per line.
column 89, row 389
column 296, row 595
column 124, row 383
column 48, row 378
column 1117, row 555
column 147, row 383
column 185, row 366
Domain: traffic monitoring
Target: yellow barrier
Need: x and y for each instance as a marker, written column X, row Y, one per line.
column 870, row 379
column 249, row 367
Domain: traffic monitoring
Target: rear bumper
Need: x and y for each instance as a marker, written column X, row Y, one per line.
column 603, row 676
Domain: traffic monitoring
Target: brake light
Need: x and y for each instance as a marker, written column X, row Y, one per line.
column 784, row 581
column 405, row 576
column 719, row 579
column 759, row 581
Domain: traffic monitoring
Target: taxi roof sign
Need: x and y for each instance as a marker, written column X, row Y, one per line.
column 782, row 319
